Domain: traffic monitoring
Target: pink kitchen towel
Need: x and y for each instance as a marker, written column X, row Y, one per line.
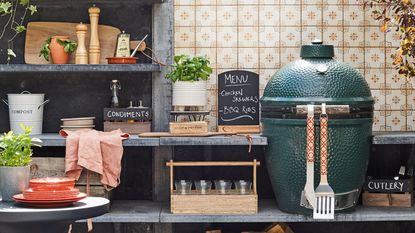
column 100, row 152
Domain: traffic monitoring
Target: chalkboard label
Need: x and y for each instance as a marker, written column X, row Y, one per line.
column 238, row 98
column 387, row 186
column 124, row 114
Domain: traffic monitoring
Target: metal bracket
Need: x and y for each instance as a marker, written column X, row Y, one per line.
column 330, row 109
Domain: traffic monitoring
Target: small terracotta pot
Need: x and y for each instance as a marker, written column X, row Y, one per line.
column 58, row 55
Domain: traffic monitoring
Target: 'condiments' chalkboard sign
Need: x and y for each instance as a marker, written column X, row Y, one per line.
column 388, row 186
column 124, row 114
column 238, row 101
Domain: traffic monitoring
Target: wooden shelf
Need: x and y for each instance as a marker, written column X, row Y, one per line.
column 152, row 212
column 25, row 68
column 385, row 138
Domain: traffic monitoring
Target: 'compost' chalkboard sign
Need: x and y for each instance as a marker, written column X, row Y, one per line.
column 124, row 114
column 238, row 101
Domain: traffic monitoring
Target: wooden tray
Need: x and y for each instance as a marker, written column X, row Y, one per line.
column 212, row 202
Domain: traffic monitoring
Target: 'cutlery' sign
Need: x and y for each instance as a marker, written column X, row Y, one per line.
column 238, row 98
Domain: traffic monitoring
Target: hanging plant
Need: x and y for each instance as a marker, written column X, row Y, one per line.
column 398, row 15
column 12, row 23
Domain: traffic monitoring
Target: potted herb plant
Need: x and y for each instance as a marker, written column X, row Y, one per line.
column 189, row 76
column 15, row 157
column 58, row 48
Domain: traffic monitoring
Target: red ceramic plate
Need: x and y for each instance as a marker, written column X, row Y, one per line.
column 50, row 195
column 48, row 203
column 20, row 197
column 52, row 183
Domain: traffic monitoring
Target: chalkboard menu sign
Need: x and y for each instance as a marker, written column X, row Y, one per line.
column 124, row 114
column 388, row 186
column 238, row 101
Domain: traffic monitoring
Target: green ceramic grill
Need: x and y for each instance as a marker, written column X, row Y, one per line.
column 315, row 79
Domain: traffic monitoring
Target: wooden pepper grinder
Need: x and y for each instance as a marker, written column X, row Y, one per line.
column 81, row 55
column 94, row 49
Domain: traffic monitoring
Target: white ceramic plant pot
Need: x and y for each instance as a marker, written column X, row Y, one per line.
column 13, row 180
column 193, row 94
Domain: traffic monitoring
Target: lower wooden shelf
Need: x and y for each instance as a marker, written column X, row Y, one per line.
column 154, row 212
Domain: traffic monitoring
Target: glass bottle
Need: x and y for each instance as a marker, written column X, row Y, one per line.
column 115, row 87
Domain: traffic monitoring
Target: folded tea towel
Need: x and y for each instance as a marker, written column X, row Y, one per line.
column 100, row 152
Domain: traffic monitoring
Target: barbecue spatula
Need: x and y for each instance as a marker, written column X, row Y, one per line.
column 324, row 208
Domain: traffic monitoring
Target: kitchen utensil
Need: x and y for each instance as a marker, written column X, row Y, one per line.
column 138, row 46
column 223, row 186
column 324, row 208
column 183, row 186
column 243, row 186
column 94, row 46
column 81, row 55
column 203, row 186
column 79, row 121
column 121, row 60
column 38, row 32
column 307, row 196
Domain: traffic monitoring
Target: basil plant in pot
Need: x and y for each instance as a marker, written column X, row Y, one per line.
column 15, row 157
column 189, row 77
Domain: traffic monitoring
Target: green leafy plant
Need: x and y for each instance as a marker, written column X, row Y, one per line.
column 45, row 50
column 69, row 46
column 189, row 69
column 400, row 16
column 16, row 150
column 14, row 21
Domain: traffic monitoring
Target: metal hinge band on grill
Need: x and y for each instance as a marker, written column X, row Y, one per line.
column 330, row 109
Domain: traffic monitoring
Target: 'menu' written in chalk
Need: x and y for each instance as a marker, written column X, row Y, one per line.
column 238, row 98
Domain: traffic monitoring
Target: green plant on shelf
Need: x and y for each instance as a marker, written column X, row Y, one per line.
column 13, row 14
column 69, row 46
column 16, row 149
column 189, row 69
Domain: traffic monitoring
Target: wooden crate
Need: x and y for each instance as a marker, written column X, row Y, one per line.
column 388, row 192
column 387, row 199
column 192, row 127
column 213, row 202
column 51, row 166
column 128, row 127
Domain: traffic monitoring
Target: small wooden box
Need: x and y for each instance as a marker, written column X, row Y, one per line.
column 213, row 202
column 128, row 127
column 51, row 166
column 387, row 199
column 392, row 193
column 192, row 127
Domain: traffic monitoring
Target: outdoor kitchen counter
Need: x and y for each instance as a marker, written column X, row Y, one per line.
column 17, row 218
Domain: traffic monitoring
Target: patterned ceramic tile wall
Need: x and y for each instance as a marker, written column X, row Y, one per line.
column 264, row 35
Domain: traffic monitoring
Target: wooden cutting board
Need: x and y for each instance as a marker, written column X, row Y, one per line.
column 38, row 32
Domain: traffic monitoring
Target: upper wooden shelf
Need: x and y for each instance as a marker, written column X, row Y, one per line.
column 26, row 68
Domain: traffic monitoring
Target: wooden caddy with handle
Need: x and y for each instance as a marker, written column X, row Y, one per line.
column 213, row 202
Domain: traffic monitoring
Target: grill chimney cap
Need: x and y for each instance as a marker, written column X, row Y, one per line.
column 317, row 50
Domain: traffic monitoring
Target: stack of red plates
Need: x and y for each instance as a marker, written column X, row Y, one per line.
column 50, row 192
